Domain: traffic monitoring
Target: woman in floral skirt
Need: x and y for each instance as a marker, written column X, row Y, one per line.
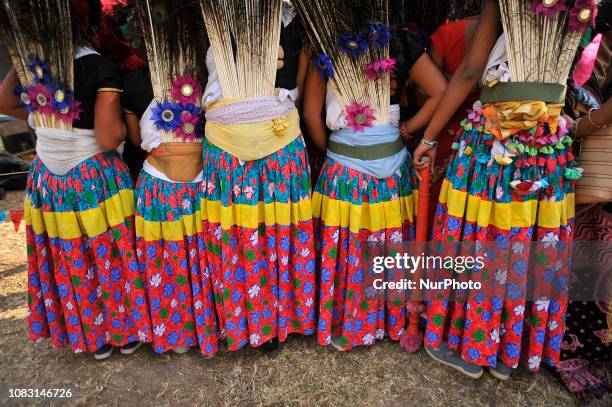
column 169, row 239
column 84, row 285
column 256, row 191
column 360, row 198
column 509, row 189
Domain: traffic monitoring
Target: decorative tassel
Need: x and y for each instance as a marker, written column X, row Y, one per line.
column 573, row 173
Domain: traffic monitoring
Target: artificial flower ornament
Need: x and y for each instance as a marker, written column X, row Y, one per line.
column 325, row 66
column 353, row 45
column 41, row 98
column 582, row 15
column 378, row 35
column 166, row 115
column 40, row 69
column 189, row 120
column 359, row 116
column 186, row 90
column 549, row 8
column 24, row 98
column 379, row 67
column 47, row 97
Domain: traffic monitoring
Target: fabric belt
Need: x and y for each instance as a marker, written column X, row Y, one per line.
column 523, row 91
column 180, row 162
column 369, row 152
column 252, row 129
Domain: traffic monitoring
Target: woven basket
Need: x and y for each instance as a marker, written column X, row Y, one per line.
column 595, row 185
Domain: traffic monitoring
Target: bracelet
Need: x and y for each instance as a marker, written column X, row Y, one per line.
column 602, row 126
column 431, row 144
column 575, row 134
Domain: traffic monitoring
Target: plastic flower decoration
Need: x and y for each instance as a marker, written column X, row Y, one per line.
column 189, row 120
column 70, row 113
column 359, row 116
column 41, row 99
column 353, row 45
column 582, row 15
column 379, row 67
column 549, row 8
column 167, row 115
column 24, row 98
column 325, row 66
column 186, row 90
column 40, row 69
column 62, row 98
column 378, row 35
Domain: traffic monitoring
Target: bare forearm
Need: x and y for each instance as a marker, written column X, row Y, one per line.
column 9, row 104
column 133, row 129
column 457, row 90
column 599, row 117
column 316, row 131
column 423, row 116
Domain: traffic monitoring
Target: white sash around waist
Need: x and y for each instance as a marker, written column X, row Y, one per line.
column 62, row 150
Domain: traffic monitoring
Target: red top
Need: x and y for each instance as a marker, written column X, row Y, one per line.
column 449, row 43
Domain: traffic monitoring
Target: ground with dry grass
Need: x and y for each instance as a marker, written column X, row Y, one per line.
column 302, row 374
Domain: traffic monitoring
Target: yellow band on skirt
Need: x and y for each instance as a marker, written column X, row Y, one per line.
column 508, row 118
column 170, row 231
column 91, row 222
column 251, row 216
column 254, row 141
column 506, row 215
column 367, row 216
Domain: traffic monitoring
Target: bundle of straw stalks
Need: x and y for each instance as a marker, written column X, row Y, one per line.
column 40, row 29
column 539, row 48
column 325, row 22
column 244, row 36
column 174, row 39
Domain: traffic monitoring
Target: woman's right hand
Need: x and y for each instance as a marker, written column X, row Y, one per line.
column 424, row 156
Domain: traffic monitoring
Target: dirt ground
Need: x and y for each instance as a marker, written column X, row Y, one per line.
column 302, row 374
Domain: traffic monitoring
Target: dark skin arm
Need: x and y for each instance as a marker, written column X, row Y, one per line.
column 425, row 74
column 314, row 97
column 303, row 68
column 462, row 82
column 108, row 123
column 133, row 128
column 601, row 117
column 9, row 104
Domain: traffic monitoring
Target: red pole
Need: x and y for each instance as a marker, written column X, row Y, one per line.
column 412, row 339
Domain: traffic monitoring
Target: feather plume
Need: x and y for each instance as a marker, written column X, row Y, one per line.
column 330, row 25
column 244, row 36
column 174, row 40
column 540, row 45
column 175, row 43
column 40, row 30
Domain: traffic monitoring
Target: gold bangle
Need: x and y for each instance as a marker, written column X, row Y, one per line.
column 599, row 126
column 575, row 134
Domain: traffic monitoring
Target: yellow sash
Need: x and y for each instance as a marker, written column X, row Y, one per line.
column 253, row 141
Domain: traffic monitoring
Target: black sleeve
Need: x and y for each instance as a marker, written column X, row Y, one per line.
column 92, row 74
column 137, row 92
column 108, row 75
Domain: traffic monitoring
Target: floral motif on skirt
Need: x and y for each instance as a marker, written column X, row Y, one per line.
column 170, row 249
column 258, row 229
column 84, row 285
column 507, row 202
column 352, row 209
